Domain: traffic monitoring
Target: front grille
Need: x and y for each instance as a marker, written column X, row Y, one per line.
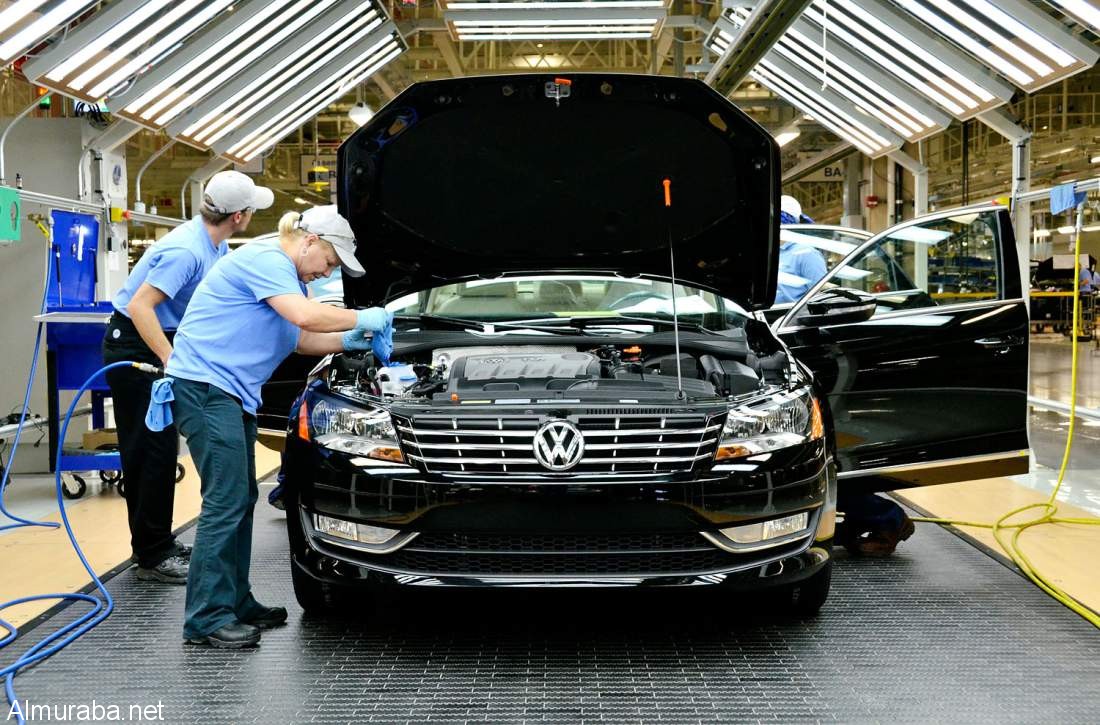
column 431, row 541
column 614, row 443
column 618, row 564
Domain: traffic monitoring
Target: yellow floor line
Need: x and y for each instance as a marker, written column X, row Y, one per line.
column 1065, row 553
column 40, row 561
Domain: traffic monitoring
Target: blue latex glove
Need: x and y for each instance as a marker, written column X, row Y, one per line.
column 356, row 340
column 159, row 415
column 382, row 342
column 374, row 319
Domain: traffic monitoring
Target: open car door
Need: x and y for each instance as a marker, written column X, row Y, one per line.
column 919, row 340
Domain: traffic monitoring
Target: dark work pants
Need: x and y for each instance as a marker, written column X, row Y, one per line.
column 148, row 458
column 867, row 512
column 222, row 440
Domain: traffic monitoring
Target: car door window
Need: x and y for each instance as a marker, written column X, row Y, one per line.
column 944, row 261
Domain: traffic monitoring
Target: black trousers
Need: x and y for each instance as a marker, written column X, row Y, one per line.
column 148, row 458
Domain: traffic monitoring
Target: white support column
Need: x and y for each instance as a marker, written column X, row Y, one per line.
column 920, row 179
column 1003, row 123
column 196, row 180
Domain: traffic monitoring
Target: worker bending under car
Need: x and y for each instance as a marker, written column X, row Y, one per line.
column 250, row 312
column 147, row 311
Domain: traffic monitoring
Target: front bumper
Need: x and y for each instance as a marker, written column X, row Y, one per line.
column 566, row 532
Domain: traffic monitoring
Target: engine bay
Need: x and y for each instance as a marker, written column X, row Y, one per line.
column 630, row 372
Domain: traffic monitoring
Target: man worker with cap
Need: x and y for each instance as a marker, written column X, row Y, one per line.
column 147, row 311
column 800, row 265
column 250, row 312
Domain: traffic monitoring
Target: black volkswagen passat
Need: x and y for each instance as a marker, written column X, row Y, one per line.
column 583, row 391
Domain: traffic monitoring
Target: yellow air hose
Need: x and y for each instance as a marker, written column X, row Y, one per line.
column 1049, row 508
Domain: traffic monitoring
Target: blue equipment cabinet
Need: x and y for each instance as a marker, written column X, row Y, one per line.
column 75, row 324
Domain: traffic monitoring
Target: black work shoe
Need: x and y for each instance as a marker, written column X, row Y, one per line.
column 172, row 570
column 235, row 635
column 268, row 618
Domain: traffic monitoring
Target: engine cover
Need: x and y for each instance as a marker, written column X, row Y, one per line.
column 523, row 371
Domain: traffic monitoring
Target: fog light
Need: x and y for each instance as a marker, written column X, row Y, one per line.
column 765, row 530
column 352, row 531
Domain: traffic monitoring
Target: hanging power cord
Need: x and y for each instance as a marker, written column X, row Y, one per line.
column 101, row 608
column 1047, row 510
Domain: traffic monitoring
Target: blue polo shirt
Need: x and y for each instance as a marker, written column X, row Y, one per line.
column 175, row 265
column 800, row 267
column 231, row 337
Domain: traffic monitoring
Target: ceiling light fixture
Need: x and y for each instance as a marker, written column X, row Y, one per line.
column 555, row 19
column 24, row 25
column 360, row 113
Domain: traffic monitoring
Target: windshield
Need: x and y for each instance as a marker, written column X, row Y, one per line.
column 549, row 299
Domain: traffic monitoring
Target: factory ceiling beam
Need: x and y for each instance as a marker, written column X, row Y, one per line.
column 817, row 161
column 766, row 24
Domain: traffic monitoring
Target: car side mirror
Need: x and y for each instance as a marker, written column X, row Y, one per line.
column 837, row 306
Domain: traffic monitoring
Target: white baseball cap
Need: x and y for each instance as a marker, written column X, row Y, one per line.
column 326, row 222
column 231, row 191
column 790, row 205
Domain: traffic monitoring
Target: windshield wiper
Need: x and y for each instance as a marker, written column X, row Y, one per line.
column 622, row 320
column 459, row 323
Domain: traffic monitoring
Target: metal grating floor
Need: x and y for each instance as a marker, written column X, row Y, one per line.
column 940, row 632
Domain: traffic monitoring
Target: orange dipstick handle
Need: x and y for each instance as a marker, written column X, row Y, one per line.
column 668, row 191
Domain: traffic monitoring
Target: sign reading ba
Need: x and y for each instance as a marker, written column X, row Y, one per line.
column 833, row 172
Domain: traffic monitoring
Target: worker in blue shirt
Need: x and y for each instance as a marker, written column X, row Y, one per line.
column 147, row 311
column 250, row 312
column 800, row 265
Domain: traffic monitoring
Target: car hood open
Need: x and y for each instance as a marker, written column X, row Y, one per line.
column 477, row 177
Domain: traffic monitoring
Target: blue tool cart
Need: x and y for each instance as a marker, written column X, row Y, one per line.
column 75, row 324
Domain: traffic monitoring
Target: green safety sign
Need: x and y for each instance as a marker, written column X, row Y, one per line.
column 10, row 216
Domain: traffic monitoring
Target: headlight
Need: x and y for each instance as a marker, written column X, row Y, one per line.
column 779, row 421
column 366, row 432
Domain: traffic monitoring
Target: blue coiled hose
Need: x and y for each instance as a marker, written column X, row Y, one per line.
column 101, row 608
column 19, row 521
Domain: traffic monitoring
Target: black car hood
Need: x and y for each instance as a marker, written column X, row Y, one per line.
column 482, row 176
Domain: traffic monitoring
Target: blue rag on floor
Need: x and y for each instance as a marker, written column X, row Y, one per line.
column 1062, row 197
column 159, row 415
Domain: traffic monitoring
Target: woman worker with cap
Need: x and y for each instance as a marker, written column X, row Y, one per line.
column 148, row 309
column 250, row 312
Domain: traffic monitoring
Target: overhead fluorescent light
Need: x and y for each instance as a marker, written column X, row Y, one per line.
column 1082, row 11
column 1041, row 234
column 297, row 100
column 1070, row 229
column 536, row 20
column 345, row 29
column 119, row 42
column 320, row 97
column 1095, row 160
column 785, row 137
column 908, row 51
column 26, row 23
column 229, row 47
column 1027, row 46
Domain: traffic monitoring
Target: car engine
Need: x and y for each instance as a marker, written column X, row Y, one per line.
column 493, row 373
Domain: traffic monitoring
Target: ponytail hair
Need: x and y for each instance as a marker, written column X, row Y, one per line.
column 288, row 224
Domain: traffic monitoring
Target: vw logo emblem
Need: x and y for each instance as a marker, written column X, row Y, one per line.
column 559, row 445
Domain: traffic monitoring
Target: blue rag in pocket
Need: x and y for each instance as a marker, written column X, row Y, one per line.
column 159, row 415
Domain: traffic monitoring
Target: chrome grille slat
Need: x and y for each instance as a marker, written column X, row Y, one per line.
column 616, row 444
column 526, row 446
column 587, row 433
column 534, row 463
